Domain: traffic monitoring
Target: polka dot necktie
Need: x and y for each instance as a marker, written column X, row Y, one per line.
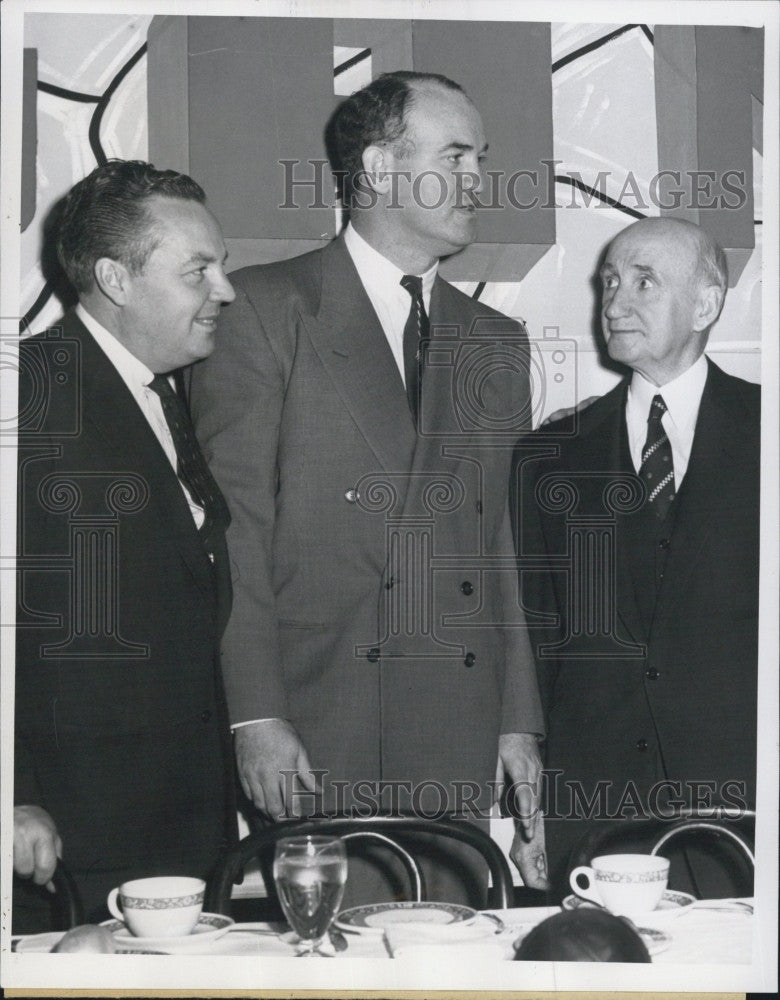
column 417, row 329
column 657, row 471
column 191, row 466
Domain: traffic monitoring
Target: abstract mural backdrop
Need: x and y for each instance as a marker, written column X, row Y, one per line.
column 91, row 97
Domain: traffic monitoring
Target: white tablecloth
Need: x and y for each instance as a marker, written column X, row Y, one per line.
column 697, row 936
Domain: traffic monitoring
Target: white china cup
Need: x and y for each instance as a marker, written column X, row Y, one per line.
column 626, row 884
column 163, row 907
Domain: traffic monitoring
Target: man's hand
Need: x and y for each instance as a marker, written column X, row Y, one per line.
column 519, row 769
column 530, row 857
column 263, row 750
column 37, row 845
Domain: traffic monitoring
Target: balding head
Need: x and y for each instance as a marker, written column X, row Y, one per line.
column 664, row 282
column 710, row 260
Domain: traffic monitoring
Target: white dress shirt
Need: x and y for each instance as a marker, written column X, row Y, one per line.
column 382, row 282
column 682, row 397
column 137, row 377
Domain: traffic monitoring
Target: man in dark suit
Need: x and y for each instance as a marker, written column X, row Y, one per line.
column 122, row 751
column 366, row 469
column 638, row 543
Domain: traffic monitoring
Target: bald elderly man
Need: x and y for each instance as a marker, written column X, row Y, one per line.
column 648, row 674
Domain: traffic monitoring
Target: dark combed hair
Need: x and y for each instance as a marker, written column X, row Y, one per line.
column 584, row 935
column 376, row 114
column 106, row 215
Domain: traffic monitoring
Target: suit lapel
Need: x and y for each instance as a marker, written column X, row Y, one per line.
column 442, row 437
column 715, row 443
column 110, row 409
column 351, row 344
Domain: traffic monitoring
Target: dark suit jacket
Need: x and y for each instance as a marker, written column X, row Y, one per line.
column 121, row 727
column 304, row 418
column 672, row 694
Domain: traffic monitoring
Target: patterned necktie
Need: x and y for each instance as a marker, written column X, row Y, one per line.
column 657, row 469
column 191, row 466
column 416, row 329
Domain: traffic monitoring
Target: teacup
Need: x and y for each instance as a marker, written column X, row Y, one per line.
column 626, row 884
column 164, row 907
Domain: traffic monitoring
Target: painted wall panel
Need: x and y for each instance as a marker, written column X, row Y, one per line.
column 261, row 91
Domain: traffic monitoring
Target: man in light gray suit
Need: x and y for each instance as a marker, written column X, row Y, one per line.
column 359, row 413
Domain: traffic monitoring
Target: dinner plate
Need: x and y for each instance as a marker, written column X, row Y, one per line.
column 672, row 905
column 209, row 927
column 42, row 943
column 377, row 916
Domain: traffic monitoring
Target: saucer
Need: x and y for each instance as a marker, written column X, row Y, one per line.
column 671, row 906
column 209, row 927
column 376, row 917
column 654, row 940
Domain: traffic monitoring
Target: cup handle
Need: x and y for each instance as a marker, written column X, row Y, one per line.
column 113, row 904
column 589, row 892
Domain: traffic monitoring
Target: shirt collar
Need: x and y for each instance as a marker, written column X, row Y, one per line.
column 682, row 395
column 377, row 273
column 134, row 373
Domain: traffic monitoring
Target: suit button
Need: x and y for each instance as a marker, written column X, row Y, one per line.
column 205, row 716
column 478, row 505
column 373, row 655
column 389, row 584
column 664, row 543
column 351, row 496
column 651, row 674
column 469, row 659
column 467, row 588
column 641, row 745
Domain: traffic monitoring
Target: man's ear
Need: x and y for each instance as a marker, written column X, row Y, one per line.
column 708, row 306
column 113, row 279
column 375, row 173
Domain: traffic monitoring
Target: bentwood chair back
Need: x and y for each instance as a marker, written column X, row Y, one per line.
column 386, row 830
column 35, row 909
column 726, row 834
column 67, row 906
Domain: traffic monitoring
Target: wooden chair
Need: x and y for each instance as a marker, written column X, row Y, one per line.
column 718, row 827
column 379, row 829
column 68, row 910
column 35, row 909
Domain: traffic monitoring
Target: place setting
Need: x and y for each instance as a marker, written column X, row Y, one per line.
column 310, row 874
column 632, row 886
column 164, row 915
column 160, row 915
column 407, row 928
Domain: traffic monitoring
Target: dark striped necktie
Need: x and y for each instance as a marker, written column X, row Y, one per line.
column 417, row 328
column 191, row 467
column 657, row 471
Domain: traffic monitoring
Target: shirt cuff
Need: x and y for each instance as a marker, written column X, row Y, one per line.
column 249, row 722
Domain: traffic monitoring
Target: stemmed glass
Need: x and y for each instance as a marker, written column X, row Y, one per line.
column 310, row 873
